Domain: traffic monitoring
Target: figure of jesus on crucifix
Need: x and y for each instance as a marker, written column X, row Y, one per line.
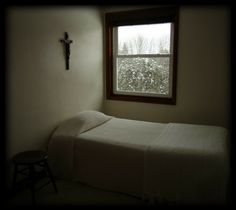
column 67, row 43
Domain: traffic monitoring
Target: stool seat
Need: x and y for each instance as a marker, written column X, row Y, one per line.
column 31, row 160
column 30, row 157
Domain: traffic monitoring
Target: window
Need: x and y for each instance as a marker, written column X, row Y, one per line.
column 141, row 53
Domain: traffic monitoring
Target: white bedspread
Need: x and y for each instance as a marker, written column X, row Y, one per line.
column 188, row 164
column 172, row 162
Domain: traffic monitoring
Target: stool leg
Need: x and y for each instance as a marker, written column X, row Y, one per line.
column 32, row 181
column 50, row 175
column 14, row 178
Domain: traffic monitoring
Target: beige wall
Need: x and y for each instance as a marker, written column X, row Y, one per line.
column 203, row 80
column 40, row 92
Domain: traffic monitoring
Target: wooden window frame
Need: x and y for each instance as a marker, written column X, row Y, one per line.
column 161, row 14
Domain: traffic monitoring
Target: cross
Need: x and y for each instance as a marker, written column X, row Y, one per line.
column 67, row 43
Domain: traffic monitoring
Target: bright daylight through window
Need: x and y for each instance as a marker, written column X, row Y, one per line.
column 141, row 57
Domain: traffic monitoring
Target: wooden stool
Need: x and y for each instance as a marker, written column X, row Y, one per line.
column 31, row 159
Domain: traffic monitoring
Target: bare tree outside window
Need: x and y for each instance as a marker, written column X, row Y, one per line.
column 139, row 69
column 141, row 55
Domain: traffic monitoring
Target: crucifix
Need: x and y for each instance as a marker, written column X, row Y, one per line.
column 67, row 43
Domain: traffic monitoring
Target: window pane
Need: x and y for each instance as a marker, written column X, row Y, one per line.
column 141, row 55
column 143, row 75
column 144, row 39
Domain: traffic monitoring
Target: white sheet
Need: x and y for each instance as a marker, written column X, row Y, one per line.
column 171, row 162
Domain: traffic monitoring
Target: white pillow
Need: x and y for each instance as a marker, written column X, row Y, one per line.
column 82, row 122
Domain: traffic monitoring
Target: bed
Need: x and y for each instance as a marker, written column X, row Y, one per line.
column 158, row 162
